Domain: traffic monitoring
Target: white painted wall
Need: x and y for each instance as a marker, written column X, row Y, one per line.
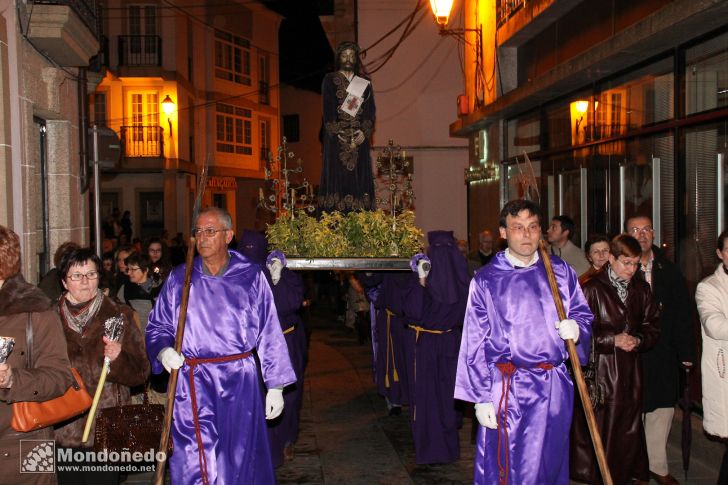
column 415, row 95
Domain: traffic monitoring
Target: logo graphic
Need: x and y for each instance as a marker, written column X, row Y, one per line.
column 37, row 456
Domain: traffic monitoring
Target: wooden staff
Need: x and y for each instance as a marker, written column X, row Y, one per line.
column 97, row 398
column 172, row 385
column 576, row 366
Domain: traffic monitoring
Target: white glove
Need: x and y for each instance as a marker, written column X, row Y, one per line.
column 275, row 267
column 273, row 403
column 170, row 359
column 485, row 412
column 568, row 329
column 423, row 268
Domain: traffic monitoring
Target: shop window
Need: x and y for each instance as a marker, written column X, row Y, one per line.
column 706, row 75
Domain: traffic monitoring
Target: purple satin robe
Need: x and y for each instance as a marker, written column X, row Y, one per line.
column 288, row 295
column 431, row 363
column 226, row 315
column 510, row 318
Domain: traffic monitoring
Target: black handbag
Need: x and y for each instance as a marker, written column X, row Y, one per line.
column 131, row 427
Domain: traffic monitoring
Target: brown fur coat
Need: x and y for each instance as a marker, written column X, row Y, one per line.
column 50, row 376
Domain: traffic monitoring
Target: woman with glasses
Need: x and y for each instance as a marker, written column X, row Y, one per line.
column 84, row 309
column 143, row 286
column 625, row 324
column 596, row 249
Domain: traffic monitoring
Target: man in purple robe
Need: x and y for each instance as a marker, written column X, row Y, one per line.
column 512, row 355
column 435, row 308
column 218, row 430
column 390, row 335
column 288, row 292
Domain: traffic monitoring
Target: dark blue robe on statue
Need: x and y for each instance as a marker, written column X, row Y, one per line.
column 436, row 314
column 347, row 182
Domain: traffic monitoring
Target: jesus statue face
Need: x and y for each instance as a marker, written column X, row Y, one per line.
column 347, row 60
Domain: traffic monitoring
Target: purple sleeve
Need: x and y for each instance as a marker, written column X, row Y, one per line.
column 162, row 325
column 473, row 380
column 288, row 293
column 275, row 363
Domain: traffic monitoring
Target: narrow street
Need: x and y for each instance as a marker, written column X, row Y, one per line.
column 348, row 437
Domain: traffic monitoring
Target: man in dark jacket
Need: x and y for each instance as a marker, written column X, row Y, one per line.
column 661, row 365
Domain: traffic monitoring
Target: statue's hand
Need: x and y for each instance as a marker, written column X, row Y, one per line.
column 359, row 137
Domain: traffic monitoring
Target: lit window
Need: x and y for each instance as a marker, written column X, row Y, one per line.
column 234, row 129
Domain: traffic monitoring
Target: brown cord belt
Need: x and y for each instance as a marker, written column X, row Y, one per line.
column 507, row 369
column 192, row 363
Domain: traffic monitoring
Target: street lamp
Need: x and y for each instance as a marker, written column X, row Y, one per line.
column 168, row 108
column 441, row 10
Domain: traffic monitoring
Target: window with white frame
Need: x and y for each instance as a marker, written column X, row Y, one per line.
column 234, row 129
column 232, row 58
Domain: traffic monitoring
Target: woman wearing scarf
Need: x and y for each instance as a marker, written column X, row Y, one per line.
column 435, row 310
column 84, row 310
column 625, row 324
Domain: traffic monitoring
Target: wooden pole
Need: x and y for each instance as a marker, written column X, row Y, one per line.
column 97, row 398
column 172, row 385
column 179, row 336
column 578, row 377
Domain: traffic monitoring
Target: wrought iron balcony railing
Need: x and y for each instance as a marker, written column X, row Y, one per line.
column 89, row 11
column 505, row 8
column 140, row 50
column 142, row 141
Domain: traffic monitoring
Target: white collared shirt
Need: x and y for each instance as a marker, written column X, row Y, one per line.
column 517, row 262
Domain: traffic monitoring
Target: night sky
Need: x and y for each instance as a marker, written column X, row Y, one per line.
column 305, row 54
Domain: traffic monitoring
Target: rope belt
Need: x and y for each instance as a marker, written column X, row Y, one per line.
column 390, row 351
column 192, row 363
column 289, row 329
column 419, row 330
column 507, row 369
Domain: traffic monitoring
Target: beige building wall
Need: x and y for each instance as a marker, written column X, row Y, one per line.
column 35, row 92
column 415, row 95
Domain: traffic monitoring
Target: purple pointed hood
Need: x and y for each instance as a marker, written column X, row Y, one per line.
column 449, row 279
column 254, row 246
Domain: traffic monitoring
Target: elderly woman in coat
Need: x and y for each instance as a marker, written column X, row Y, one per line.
column 625, row 324
column 712, row 299
column 22, row 304
column 83, row 309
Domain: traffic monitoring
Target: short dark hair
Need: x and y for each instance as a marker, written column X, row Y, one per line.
column 515, row 207
column 141, row 260
column 639, row 215
column 593, row 239
column 721, row 239
column 567, row 223
column 75, row 257
column 625, row 244
column 62, row 249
